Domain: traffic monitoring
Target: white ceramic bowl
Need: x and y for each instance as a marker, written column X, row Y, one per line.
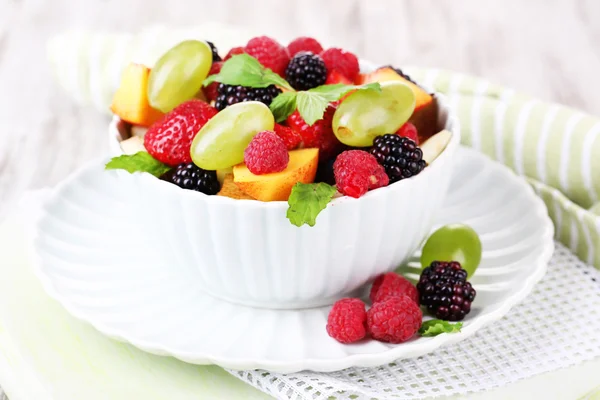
column 249, row 253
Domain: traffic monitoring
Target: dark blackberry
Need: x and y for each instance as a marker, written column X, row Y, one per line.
column 400, row 156
column 228, row 95
column 191, row 177
column 305, row 71
column 215, row 52
column 444, row 290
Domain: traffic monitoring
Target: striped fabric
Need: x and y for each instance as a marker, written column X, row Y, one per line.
column 555, row 147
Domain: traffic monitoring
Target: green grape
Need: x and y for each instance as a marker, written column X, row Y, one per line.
column 454, row 242
column 178, row 74
column 222, row 141
column 366, row 114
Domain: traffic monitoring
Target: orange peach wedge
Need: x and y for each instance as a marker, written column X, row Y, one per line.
column 277, row 186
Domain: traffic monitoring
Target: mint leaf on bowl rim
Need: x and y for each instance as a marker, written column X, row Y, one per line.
column 138, row 162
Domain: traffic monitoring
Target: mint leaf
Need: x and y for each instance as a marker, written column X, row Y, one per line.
column 335, row 92
column 311, row 106
column 245, row 70
column 283, row 105
column 307, row 200
column 138, row 162
column 435, row 327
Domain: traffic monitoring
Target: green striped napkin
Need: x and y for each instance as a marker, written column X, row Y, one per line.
column 555, row 147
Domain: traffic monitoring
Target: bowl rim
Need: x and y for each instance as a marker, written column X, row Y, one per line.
column 452, row 125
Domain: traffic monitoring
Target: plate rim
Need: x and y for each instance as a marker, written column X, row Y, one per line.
column 539, row 266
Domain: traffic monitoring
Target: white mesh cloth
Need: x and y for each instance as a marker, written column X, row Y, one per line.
column 558, row 325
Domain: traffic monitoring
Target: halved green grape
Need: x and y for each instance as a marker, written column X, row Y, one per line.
column 178, row 74
column 222, row 141
column 366, row 114
column 454, row 242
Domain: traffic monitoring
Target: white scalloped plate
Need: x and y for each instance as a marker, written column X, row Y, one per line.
column 88, row 260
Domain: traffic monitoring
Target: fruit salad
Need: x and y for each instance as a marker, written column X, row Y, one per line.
column 268, row 122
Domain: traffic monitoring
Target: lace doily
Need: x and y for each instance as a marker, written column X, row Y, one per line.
column 557, row 326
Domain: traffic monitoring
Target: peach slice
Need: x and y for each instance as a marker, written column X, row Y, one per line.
column 277, row 186
column 230, row 189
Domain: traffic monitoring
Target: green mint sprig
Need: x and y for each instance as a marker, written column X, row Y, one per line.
column 307, row 200
column 245, row 70
column 436, row 327
column 138, row 162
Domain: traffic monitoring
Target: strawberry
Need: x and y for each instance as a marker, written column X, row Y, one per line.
column 233, row 52
column 334, row 77
column 344, row 61
column 169, row 140
column 210, row 91
column 320, row 134
column 290, row 137
column 410, row 131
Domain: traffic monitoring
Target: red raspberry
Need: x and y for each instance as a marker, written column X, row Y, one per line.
column 394, row 320
column 290, row 137
column 304, row 43
column 269, row 53
column 319, row 135
column 410, row 131
column 210, row 91
column 347, row 320
column 343, row 61
column 392, row 284
column 357, row 172
column 233, row 52
column 266, row 153
column 169, row 140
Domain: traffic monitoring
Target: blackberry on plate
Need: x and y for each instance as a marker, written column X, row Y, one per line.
column 400, row 156
column 444, row 290
column 191, row 177
column 306, row 71
column 228, row 95
column 215, row 52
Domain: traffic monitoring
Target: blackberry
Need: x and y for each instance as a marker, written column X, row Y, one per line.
column 444, row 290
column 215, row 52
column 305, row 71
column 191, row 177
column 400, row 156
column 228, row 95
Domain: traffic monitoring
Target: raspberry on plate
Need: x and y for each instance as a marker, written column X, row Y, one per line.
column 390, row 285
column 169, row 140
column 266, row 153
column 444, row 289
column 319, row 135
column 290, row 137
column 211, row 91
column 269, row 53
column 345, row 62
column 234, row 51
column 394, row 320
column 347, row 319
column 356, row 172
column 304, row 43
column 408, row 130
column 305, row 71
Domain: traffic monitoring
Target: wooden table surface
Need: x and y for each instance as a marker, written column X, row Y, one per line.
column 548, row 48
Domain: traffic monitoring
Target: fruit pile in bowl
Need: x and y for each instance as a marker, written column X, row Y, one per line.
column 304, row 175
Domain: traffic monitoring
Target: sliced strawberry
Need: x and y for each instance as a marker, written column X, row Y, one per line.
column 334, row 77
column 410, row 131
column 319, row 135
column 289, row 136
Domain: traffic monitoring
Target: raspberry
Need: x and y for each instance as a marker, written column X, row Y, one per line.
column 390, row 285
column 394, row 320
column 357, row 172
column 444, row 289
column 306, row 71
column 228, row 95
column 169, row 140
column 269, row 53
column 400, row 156
column 289, row 136
column 347, row 319
column 211, row 91
column 233, row 52
column 304, row 44
column 345, row 62
column 266, row 153
column 215, row 52
column 319, row 135
column 408, row 130
column 191, row 177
